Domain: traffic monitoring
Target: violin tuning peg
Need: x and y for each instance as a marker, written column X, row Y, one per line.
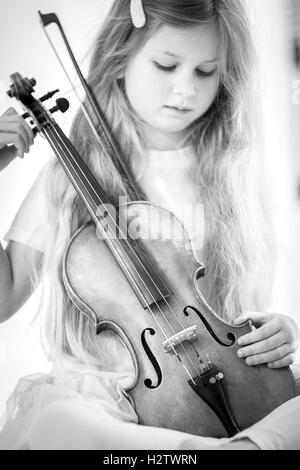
column 25, row 115
column 35, row 131
column 62, row 104
column 48, row 95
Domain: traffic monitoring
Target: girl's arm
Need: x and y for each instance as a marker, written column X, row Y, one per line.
column 76, row 425
column 15, row 262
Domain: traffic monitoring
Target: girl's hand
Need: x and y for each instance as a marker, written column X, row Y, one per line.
column 15, row 137
column 274, row 340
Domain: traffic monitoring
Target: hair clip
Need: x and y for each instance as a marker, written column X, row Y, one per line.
column 137, row 13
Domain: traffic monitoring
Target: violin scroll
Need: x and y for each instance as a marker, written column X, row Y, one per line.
column 20, row 86
column 22, row 89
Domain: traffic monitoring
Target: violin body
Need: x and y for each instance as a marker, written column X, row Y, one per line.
column 161, row 390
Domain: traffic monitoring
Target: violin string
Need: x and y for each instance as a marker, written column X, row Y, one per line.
column 87, row 203
column 167, row 339
column 157, row 305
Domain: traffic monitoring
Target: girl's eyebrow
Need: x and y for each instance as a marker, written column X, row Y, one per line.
column 178, row 57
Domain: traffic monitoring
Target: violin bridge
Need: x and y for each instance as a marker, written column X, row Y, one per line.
column 189, row 334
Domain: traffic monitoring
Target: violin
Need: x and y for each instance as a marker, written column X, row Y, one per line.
column 146, row 289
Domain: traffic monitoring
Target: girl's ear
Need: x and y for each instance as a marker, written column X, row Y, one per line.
column 121, row 82
column 121, row 79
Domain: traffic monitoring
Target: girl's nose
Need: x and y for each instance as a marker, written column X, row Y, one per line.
column 184, row 85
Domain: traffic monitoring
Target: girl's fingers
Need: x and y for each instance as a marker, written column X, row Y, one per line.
column 283, row 362
column 9, row 131
column 15, row 139
column 20, row 124
column 265, row 331
column 270, row 356
column 17, row 126
column 27, row 130
column 10, row 112
column 7, row 154
column 257, row 318
column 11, row 116
column 266, row 345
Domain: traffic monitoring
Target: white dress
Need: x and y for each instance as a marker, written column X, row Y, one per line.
column 69, row 384
column 79, row 407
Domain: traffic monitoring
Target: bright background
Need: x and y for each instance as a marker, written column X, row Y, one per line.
column 24, row 48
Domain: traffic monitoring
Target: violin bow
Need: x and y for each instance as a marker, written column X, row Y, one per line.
column 106, row 141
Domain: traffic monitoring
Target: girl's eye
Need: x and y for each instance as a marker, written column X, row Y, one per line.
column 166, row 68
column 201, row 73
column 171, row 68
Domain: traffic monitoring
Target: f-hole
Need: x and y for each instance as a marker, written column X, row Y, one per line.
column 230, row 336
column 148, row 382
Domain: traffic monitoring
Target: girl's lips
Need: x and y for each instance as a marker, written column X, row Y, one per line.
column 179, row 110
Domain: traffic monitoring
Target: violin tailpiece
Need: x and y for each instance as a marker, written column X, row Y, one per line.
column 210, row 387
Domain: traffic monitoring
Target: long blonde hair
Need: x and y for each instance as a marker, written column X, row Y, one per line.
column 238, row 246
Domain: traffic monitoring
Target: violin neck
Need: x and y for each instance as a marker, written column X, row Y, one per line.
column 84, row 182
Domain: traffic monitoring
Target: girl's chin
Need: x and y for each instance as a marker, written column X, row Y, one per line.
column 164, row 131
column 170, row 127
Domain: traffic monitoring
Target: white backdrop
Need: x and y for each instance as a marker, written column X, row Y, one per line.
column 24, row 48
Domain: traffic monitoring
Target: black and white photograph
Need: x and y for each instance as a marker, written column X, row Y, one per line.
column 150, row 227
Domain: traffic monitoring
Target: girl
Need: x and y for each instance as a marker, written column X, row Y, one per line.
column 174, row 80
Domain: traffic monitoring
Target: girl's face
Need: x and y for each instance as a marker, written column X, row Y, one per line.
column 172, row 81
